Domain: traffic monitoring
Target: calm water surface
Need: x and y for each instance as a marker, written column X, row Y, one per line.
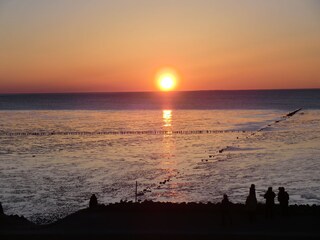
column 50, row 175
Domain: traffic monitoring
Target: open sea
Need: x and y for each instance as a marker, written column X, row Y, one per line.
column 58, row 149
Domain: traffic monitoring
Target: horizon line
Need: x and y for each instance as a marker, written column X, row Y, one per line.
column 203, row 90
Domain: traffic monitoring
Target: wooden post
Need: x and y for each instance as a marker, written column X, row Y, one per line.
column 136, row 193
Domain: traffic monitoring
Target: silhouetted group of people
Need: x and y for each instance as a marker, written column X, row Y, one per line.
column 252, row 204
column 283, row 199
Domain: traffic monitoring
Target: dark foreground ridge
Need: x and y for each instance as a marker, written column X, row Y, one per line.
column 155, row 220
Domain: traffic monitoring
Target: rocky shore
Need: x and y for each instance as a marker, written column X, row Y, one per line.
column 156, row 220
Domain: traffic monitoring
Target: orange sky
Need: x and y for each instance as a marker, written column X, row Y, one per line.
column 103, row 46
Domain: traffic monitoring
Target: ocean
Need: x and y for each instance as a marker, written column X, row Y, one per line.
column 58, row 149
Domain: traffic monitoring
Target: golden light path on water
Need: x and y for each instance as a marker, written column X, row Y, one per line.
column 169, row 148
column 167, row 117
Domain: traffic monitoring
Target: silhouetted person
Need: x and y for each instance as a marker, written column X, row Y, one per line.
column 251, row 203
column 225, row 210
column 93, row 201
column 1, row 210
column 283, row 198
column 269, row 196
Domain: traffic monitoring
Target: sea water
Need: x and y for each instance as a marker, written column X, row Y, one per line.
column 58, row 149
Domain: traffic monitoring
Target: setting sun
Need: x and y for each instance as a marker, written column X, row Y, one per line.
column 167, row 80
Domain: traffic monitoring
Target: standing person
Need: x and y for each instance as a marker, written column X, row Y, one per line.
column 269, row 196
column 93, row 203
column 225, row 210
column 251, row 203
column 1, row 210
column 283, row 198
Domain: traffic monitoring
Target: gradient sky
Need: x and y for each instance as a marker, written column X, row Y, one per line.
column 90, row 46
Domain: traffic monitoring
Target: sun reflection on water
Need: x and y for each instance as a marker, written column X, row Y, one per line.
column 169, row 161
column 167, row 117
column 168, row 140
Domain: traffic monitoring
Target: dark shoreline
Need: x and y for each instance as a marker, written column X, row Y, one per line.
column 155, row 220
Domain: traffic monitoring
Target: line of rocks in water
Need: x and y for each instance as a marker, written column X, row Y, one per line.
column 147, row 132
column 285, row 117
column 158, row 187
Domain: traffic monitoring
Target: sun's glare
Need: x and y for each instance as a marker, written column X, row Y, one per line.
column 167, row 80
